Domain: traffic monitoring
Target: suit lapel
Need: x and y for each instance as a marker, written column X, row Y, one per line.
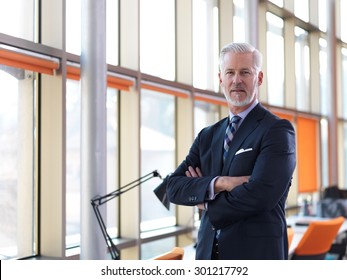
column 248, row 125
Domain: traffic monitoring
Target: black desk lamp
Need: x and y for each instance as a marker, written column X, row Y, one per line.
column 99, row 200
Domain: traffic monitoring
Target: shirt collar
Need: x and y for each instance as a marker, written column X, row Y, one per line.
column 244, row 113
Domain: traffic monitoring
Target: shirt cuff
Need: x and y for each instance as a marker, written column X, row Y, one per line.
column 210, row 192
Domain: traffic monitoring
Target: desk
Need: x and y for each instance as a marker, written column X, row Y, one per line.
column 299, row 230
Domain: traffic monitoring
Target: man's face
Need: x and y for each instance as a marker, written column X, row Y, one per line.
column 239, row 80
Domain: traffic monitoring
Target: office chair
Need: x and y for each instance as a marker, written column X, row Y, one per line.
column 176, row 253
column 317, row 239
column 338, row 249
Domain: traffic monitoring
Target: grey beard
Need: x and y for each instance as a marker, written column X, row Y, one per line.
column 239, row 103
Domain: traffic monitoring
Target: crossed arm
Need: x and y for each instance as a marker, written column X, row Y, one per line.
column 222, row 183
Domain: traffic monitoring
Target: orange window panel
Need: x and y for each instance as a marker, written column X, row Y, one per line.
column 164, row 89
column 119, row 83
column 74, row 73
column 28, row 62
column 211, row 99
column 284, row 116
column 307, row 149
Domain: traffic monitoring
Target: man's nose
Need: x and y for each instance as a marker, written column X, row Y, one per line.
column 237, row 78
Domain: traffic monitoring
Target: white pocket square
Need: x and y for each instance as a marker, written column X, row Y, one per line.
column 243, row 151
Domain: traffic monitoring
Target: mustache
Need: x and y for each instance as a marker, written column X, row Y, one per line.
column 237, row 89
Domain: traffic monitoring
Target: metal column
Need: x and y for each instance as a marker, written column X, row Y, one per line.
column 93, row 124
column 252, row 22
column 332, row 88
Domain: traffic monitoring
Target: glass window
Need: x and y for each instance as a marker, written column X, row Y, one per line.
column 17, row 166
column 73, row 29
column 157, row 38
column 275, row 60
column 205, row 45
column 324, row 94
column 157, row 153
column 73, row 163
column 112, row 151
column 344, row 83
column 279, row 3
column 302, row 69
column 322, row 16
column 17, row 18
column 112, row 34
column 324, row 152
column 205, row 114
column 301, row 9
column 344, row 164
column 343, row 20
column 73, row 26
column 239, row 31
column 343, row 145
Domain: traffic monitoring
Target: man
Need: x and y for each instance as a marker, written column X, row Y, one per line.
column 244, row 197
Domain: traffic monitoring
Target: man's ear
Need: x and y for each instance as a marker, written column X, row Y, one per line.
column 260, row 77
column 220, row 78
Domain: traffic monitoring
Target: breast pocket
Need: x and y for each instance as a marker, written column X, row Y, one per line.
column 243, row 164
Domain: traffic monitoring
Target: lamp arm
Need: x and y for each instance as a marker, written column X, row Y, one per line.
column 103, row 199
column 115, row 254
column 99, row 200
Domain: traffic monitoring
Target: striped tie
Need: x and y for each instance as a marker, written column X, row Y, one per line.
column 231, row 129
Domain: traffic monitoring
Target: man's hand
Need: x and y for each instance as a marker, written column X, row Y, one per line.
column 191, row 172
column 226, row 183
column 222, row 183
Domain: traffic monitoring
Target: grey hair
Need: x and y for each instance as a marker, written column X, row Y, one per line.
column 241, row 48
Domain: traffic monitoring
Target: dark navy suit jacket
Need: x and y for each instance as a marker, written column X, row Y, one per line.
column 251, row 218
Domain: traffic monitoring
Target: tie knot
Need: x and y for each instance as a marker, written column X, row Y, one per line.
column 235, row 119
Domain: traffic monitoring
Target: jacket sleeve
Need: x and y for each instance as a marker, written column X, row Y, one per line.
column 183, row 190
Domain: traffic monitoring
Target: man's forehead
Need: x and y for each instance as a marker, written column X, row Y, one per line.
column 238, row 60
